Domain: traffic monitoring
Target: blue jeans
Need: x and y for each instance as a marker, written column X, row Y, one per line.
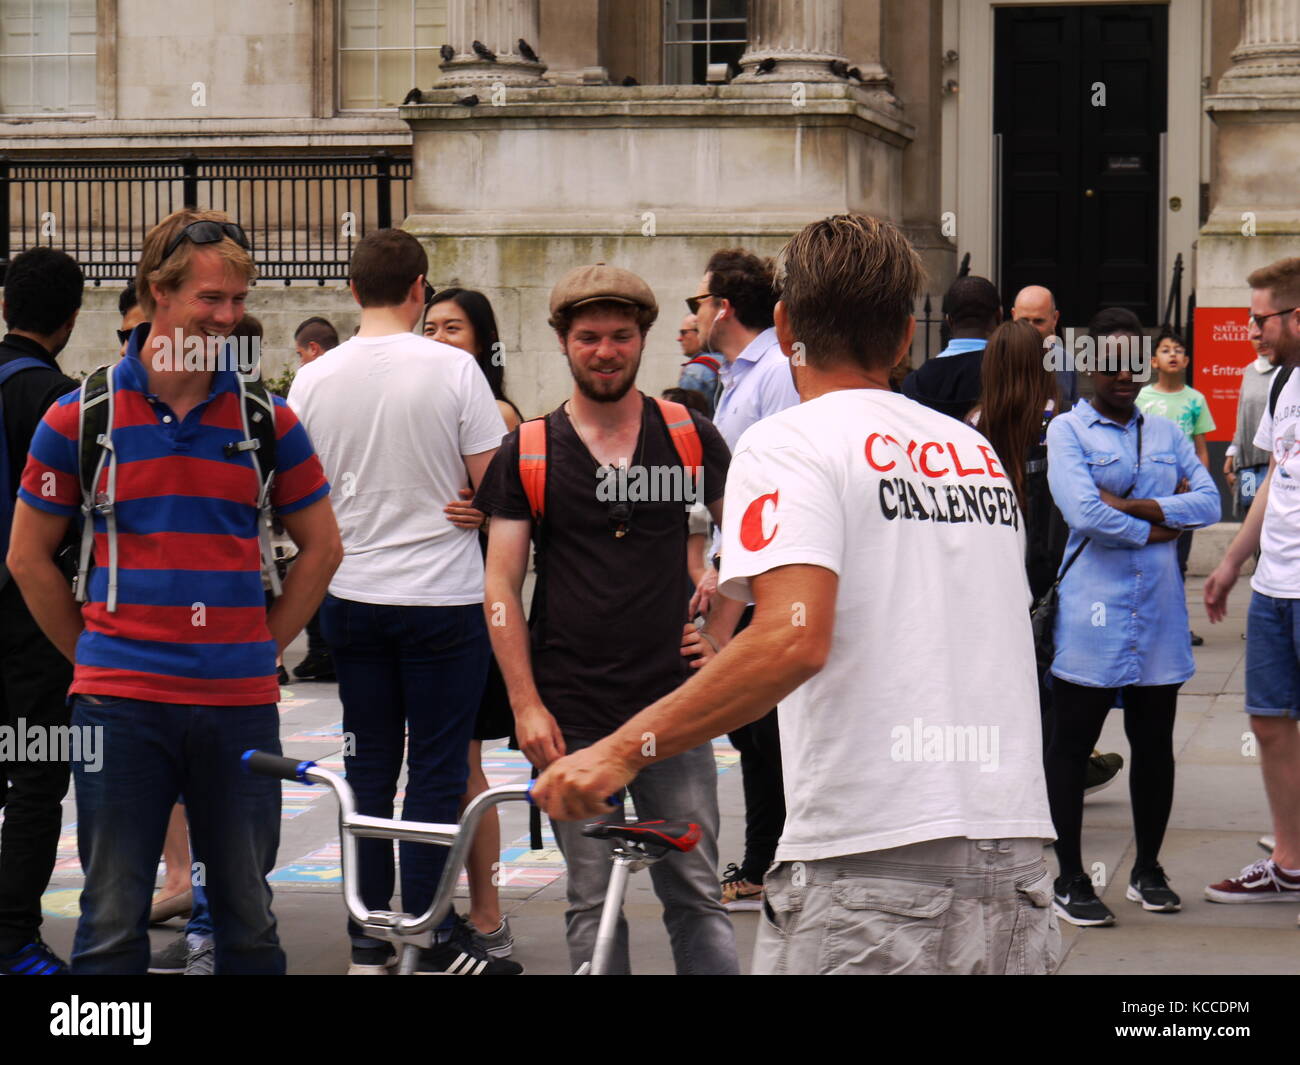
column 1272, row 656
column 406, row 669
column 150, row 754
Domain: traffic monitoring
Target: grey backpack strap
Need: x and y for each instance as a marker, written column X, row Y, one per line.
column 94, row 453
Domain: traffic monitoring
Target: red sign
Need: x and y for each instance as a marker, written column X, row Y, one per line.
column 1222, row 353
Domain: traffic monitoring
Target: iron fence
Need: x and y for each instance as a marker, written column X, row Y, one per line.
column 303, row 215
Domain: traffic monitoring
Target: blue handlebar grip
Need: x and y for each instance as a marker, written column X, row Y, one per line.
column 614, row 801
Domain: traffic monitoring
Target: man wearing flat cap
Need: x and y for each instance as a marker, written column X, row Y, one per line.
column 603, row 490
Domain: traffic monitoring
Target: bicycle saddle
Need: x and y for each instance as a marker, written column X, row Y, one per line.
column 670, row 835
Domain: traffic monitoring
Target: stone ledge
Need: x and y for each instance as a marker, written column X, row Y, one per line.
column 717, row 104
column 669, row 222
column 74, row 135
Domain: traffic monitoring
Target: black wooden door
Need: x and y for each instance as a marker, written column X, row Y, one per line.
column 1079, row 99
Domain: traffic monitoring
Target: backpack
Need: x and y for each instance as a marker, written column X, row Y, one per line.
column 532, row 451
column 95, row 454
column 1279, row 382
column 9, row 492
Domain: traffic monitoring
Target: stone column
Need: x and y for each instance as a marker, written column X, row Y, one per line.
column 1254, row 213
column 803, row 37
column 1266, row 61
column 497, row 25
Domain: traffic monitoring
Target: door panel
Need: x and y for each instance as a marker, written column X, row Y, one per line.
column 1080, row 180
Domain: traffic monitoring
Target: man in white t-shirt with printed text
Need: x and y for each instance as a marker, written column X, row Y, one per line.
column 882, row 546
column 1271, row 526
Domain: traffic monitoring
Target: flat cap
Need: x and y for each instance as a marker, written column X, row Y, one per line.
column 587, row 284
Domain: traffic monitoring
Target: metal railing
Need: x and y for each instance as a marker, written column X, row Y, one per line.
column 303, row 215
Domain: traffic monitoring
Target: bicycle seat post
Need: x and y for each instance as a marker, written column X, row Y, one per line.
column 611, row 911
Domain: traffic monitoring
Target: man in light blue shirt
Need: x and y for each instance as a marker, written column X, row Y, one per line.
column 734, row 309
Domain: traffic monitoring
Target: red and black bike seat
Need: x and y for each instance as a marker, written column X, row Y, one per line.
column 670, row 835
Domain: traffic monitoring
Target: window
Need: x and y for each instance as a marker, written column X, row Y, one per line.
column 387, row 48
column 700, row 32
column 47, row 57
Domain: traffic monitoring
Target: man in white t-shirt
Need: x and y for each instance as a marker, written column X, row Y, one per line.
column 883, row 547
column 1272, row 525
column 403, row 423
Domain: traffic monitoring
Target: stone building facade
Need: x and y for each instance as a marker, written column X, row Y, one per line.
column 745, row 121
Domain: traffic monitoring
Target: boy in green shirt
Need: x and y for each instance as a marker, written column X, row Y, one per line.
column 1173, row 398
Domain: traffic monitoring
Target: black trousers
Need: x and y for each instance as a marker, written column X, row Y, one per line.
column 1076, row 718
column 759, row 744
column 316, row 644
column 34, row 682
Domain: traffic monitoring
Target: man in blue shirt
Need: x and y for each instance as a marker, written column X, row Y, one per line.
column 734, row 310
column 950, row 382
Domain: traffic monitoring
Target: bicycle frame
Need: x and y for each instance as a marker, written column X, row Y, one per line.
column 407, row 932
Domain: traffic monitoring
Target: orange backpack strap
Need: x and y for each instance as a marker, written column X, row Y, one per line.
column 532, row 464
column 686, row 438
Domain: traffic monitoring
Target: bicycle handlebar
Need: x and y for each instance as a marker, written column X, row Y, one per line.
column 456, row 837
column 273, row 765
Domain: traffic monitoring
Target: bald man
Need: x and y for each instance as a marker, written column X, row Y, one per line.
column 1037, row 306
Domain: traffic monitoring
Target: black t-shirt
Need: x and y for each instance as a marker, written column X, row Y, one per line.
column 26, row 397
column 607, row 615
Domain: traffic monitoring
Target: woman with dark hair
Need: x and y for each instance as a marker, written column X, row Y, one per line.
column 463, row 318
column 1127, row 485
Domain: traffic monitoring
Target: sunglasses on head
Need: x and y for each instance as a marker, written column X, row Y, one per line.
column 205, row 232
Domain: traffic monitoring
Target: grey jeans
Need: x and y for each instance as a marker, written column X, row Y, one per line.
column 943, row 906
column 684, row 788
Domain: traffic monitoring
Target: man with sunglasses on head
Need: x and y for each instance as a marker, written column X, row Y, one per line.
column 174, row 650
column 1271, row 527
column 608, row 631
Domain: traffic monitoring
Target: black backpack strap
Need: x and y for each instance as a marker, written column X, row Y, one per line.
column 1279, row 382
column 259, row 420
column 92, row 424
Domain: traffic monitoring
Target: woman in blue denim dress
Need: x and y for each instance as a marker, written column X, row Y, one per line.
column 1128, row 484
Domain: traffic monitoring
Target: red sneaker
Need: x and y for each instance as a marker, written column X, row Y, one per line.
column 1261, row 881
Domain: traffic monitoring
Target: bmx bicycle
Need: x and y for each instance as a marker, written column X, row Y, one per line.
column 637, row 844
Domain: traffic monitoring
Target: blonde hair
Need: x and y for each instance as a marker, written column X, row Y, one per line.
column 152, row 270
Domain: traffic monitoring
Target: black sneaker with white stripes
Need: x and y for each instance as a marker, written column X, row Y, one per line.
column 1075, row 901
column 461, row 956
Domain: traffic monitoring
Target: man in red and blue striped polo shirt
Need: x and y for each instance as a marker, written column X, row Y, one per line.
column 177, row 675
